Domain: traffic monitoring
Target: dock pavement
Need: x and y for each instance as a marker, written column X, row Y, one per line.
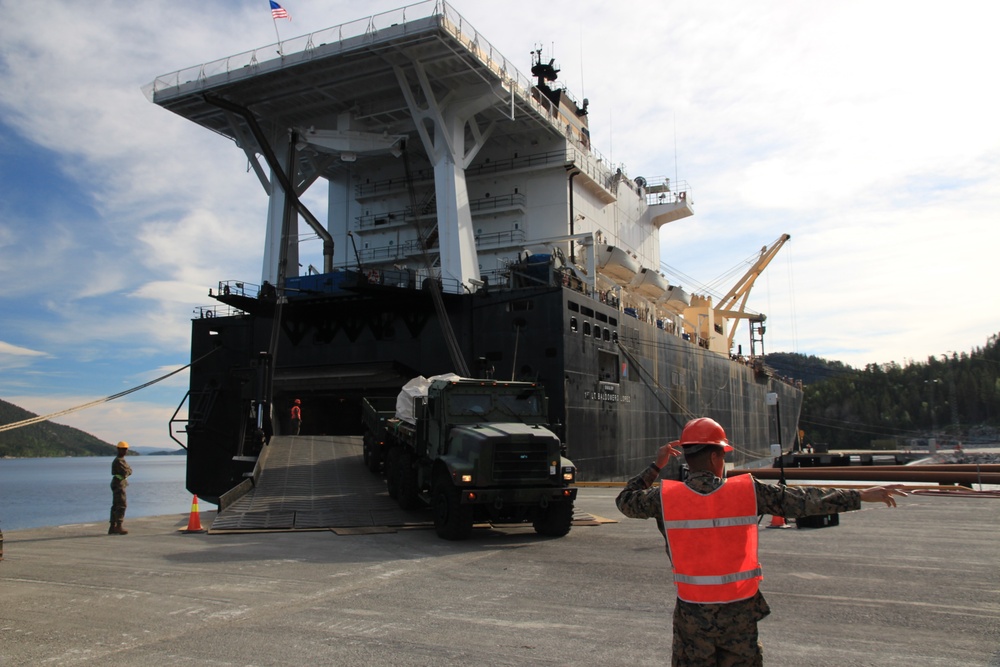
column 916, row 586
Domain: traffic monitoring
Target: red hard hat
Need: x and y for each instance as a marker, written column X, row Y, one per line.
column 704, row 431
column 298, row 402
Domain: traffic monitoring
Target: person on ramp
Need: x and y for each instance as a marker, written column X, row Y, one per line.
column 296, row 417
column 710, row 525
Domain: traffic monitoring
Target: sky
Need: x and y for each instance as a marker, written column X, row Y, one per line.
column 868, row 131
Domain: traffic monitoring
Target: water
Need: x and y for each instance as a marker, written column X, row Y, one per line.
column 54, row 491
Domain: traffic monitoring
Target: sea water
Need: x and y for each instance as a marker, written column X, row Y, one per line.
column 55, row 491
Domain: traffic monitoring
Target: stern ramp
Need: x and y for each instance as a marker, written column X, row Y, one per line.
column 316, row 483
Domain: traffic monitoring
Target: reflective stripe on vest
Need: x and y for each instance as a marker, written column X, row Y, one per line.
column 713, row 540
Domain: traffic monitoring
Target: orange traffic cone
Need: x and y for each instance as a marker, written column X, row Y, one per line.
column 194, row 522
column 778, row 522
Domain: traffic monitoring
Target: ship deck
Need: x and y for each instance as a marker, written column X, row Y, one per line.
column 912, row 586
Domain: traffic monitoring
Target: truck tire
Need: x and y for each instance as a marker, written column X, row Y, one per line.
column 407, row 493
column 452, row 519
column 555, row 520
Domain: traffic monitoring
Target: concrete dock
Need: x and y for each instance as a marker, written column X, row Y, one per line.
column 918, row 585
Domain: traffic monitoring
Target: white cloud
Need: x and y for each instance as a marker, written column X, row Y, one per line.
column 864, row 130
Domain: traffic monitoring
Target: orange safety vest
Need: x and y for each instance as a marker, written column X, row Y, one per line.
column 713, row 540
column 296, row 412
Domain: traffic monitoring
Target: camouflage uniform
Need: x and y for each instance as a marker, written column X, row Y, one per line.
column 726, row 634
column 119, row 472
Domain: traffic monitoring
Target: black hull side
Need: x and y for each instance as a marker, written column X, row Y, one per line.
column 618, row 388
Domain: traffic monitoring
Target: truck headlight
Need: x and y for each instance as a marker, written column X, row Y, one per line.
column 568, row 473
column 466, row 478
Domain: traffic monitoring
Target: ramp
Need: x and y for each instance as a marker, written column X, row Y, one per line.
column 315, row 483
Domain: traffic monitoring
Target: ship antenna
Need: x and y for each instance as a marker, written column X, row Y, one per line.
column 675, row 148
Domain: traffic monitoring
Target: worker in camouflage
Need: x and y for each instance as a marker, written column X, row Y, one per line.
column 726, row 633
column 120, row 471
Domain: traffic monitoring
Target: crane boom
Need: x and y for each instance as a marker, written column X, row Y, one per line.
column 733, row 304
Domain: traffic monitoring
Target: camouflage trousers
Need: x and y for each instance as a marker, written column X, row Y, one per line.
column 118, row 504
column 718, row 635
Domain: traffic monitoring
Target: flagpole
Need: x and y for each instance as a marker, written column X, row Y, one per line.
column 275, row 22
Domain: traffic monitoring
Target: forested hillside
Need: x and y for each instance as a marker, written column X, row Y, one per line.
column 953, row 397
column 46, row 438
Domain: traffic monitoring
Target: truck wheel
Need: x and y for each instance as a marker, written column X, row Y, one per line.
column 555, row 520
column 407, row 493
column 452, row 519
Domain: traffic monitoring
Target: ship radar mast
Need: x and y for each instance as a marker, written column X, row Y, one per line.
column 544, row 72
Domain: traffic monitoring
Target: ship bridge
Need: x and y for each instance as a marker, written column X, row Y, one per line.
column 418, row 79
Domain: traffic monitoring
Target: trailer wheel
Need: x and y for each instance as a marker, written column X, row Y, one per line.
column 452, row 519
column 555, row 520
column 370, row 454
column 392, row 472
column 407, row 493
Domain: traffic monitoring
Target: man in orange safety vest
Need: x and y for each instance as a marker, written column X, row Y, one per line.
column 711, row 529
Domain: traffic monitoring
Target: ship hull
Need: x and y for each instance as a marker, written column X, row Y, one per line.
column 618, row 387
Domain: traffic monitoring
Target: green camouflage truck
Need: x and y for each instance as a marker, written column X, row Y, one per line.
column 478, row 450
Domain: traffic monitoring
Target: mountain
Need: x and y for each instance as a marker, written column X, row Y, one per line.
column 45, row 438
column 809, row 369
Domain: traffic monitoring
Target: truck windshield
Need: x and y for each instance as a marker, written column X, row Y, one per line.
column 471, row 404
column 523, row 404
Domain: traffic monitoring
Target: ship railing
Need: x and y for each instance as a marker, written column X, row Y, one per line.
column 413, row 279
column 661, row 190
column 413, row 248
column 338, row 37
column 215, row 310
column 237, row 287
column 517, row 83
column 408, row 214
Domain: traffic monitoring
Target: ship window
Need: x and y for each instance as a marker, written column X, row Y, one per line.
column 607, row 366
column 614, row 336
column 524, row 304
column 587, row 312
column 572, row 324
column 381, row 221
column 602, row 317
column 586, row 328
column 613, row 321
column 607, row 334
column 573, row 306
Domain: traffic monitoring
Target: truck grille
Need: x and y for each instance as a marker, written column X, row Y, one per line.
column 520, row 462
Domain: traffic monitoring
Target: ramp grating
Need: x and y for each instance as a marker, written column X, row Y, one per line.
column 316, row 482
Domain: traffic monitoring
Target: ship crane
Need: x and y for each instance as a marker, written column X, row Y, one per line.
column 733, row 304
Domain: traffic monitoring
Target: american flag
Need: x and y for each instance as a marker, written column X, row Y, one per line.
column 278, row 12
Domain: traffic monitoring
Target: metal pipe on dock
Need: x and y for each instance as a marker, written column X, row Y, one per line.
column 878, row 474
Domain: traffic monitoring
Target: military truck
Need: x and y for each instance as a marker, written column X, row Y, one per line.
column 476, row 450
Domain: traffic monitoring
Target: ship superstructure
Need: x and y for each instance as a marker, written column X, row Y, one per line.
column 470, row 226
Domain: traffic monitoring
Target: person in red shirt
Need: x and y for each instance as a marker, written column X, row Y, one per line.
column 296, row 417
